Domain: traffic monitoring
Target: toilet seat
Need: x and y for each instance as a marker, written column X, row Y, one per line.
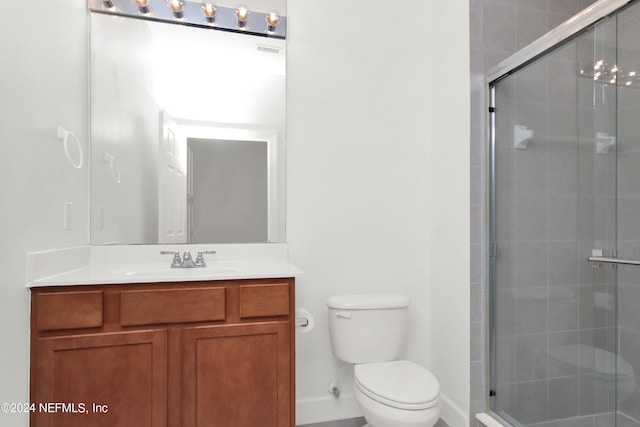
column 400, row 384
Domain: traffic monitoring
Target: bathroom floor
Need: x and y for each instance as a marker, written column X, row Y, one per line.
column 356, row 422
column 353, row 422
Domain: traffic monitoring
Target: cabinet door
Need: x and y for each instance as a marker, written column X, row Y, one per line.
column 125, row 373
column 237, row 376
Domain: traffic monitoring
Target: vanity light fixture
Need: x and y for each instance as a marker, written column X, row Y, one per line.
column 199, row 13
column 272, row 19
column 177, row 6
column 209, row 11
column 143, row 6
column 242, row 14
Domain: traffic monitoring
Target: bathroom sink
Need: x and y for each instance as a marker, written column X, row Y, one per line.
column 163, row 270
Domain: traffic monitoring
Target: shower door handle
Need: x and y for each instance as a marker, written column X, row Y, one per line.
column 614, row 261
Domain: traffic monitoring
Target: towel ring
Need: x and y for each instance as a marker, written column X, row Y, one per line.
column 64, row 136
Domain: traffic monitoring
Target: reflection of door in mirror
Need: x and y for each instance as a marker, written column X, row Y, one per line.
column 172, row 179
column 233, row 183
column 228, row 195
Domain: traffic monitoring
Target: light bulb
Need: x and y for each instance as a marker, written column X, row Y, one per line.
column 209, row 11
column 176, row 6
column 143, row 6
column 272, row 18
column 242, row 13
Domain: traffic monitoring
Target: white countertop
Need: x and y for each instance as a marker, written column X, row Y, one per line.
column 154, row 273
column 99, row 268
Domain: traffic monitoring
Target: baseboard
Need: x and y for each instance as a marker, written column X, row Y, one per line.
column 452, row 414
column 326, row 408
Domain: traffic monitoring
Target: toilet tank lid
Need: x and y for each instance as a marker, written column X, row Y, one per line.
column 368, row 301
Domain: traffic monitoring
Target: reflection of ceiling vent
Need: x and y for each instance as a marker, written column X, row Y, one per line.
column 268, row 49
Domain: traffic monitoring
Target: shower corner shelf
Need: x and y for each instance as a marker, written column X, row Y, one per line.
column 604, row 142
column 521, row 137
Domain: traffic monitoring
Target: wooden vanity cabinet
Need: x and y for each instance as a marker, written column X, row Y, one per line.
column 194, row 354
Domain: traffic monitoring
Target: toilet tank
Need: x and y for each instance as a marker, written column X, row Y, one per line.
column 368, row 328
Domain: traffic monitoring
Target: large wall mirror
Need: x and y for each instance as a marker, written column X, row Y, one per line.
column 187, row 134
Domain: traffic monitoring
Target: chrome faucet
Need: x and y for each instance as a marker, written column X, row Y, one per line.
column 177, row 261
column 200, row 262
column 187, row 260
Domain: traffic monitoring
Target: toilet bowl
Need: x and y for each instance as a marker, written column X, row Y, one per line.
column 397, row 394
column 368, row 331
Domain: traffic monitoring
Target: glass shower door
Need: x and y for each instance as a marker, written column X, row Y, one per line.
column 552, row 314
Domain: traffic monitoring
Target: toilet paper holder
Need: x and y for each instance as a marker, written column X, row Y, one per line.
column 304, row 321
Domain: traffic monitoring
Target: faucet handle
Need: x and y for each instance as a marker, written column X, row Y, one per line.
column 200, row 262
column 177, row 261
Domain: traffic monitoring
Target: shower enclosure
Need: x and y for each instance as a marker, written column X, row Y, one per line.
column 564, row 309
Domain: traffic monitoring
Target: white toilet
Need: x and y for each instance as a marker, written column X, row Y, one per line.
column 369, row 331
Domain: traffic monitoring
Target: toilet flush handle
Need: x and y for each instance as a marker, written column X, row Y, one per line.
column 344, row 314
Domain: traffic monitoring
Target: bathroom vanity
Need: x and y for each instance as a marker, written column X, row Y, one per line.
column 190, row 353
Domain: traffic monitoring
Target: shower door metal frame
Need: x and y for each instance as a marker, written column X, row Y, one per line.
column 492, row 249
column 564, row 32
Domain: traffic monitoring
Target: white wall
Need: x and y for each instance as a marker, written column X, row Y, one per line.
column 43, row 85
column 377, row 183
column 450, row 220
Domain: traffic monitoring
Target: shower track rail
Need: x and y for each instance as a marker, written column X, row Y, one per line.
column 589, row 16
column 615, row 261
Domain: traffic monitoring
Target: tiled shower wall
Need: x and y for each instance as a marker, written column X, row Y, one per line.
column 499, row 28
